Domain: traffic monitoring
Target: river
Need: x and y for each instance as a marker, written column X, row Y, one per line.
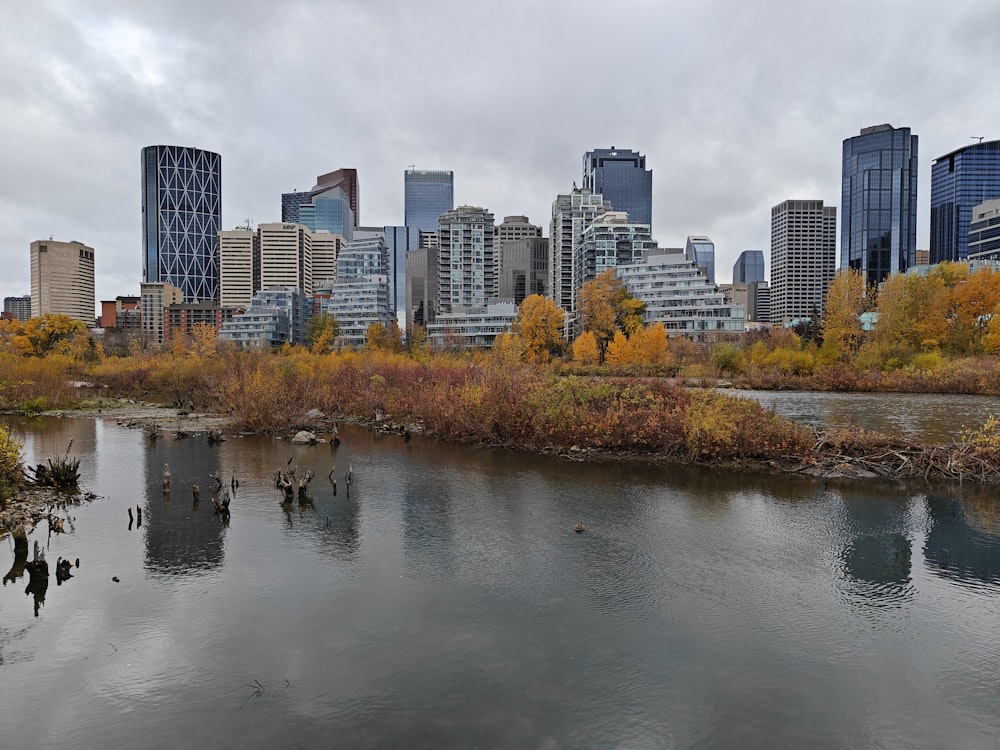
column 446, row 601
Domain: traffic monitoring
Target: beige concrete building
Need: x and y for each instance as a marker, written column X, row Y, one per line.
column 326, row 246
column 239, row 267
column 62, row 280
column 286, row 256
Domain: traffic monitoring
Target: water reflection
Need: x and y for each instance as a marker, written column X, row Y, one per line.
column 876, row 559
column 963, row 542
column 181, row 537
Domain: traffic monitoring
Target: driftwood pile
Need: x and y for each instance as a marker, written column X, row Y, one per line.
column 862, row 453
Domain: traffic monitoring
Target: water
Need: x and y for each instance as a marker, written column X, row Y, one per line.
column 934, row 417
column 447, row 602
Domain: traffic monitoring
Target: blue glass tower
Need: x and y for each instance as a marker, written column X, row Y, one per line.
column 960, row 180
column 701, row 250
column 620, row 175
column 426, row 195
column 878, row 229
column 749, row 267
column 181, row 219
column 330, row 212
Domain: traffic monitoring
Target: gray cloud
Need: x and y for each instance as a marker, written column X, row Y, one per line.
column 736, row 106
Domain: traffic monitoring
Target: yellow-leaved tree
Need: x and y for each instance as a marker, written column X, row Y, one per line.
column 539, row 325
column 585, row 349
column 843, row 333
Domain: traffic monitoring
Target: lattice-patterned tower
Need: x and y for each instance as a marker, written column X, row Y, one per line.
column 181, row 219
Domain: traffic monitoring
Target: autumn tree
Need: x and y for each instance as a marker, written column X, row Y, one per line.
column 539, row 324
column 322, row 331
column 655, row 344
column 606, row 306
column 41, row 335
column 974, row 302
column 620, row 352
column 204, row 340
column 845, row 302
column 586, row 350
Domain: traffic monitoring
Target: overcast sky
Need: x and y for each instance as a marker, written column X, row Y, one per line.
column 737, row 106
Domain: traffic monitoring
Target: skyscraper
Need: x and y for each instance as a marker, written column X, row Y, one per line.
column 620, row 175
column 701, row 250
column 803, row 258
column 181, row 219
column 960, row 180
column 878, row 230
column 749, row 267
column 345, row 179
column 62, row 280
column 426, row 195
column 513, row 229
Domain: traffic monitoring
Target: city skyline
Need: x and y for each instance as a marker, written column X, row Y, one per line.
column 726, row 138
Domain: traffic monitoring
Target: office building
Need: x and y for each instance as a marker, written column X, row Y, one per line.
column 754, row 297
column 398, row 245
column 524, row 269
column 239, row 267
column 345, row 180
column 960, row 180
column 620, row 175
column 610, row 240
column 421, row 287
column 426, row 195
column 803, row 258
column 17, row 308
column 286, row 256
column 677, row 294
column 466, row 264
column 181, row 219
column 878, row 229
column 325, row 249
column 571, row 214
column 512, row 229
column 62, row 280
column 701, row 251
column 984, row 232
column 749, row 267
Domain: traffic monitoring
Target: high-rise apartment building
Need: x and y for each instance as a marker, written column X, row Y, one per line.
column 803, row 258
column 155, row 298
column 749, row 267
column 960, row 180
column 620, row 175
column 878, row 229
column 62, row 280
column 571, row 214
column 426, row 195
column 609, row 241
column 466, row 263
column 181, row 219
column 360, row 294
column 701, row 251
column 18, row 308
column 326, row 247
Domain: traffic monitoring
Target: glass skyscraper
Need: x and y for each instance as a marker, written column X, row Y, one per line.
column 749, row 267
column 701, row 250
column 878, row 230
column 181, row 219
column 960, row 180
column 329, row 212
column 426, row 195
column 620, row 175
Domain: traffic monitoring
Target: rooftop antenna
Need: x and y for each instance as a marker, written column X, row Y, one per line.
column 980, row 137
